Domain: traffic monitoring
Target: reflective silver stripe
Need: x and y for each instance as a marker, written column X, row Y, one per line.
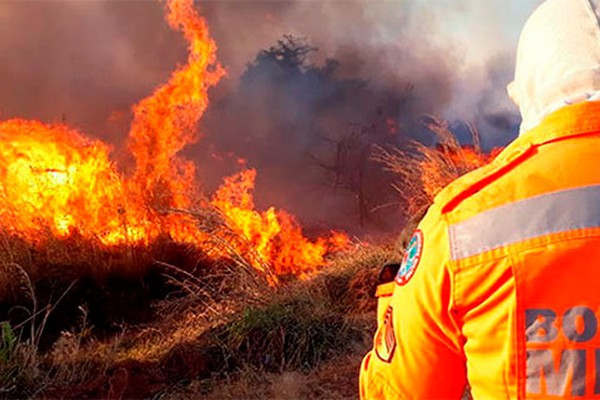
column 526, row 219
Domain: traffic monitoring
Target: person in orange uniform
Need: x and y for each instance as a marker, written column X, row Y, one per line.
column 500, row 285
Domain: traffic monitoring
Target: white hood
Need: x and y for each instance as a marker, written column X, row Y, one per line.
column 558, row 60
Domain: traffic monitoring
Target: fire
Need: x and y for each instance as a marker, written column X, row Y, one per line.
column 55, row 181
column 275, row 234
column 449, row 163
column 52, row 178
column 165, row 122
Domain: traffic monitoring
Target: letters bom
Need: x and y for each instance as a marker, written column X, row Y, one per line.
column 546, row 373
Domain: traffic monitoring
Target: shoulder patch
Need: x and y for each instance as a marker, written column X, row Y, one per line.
column 411, row 259
column 385, row 339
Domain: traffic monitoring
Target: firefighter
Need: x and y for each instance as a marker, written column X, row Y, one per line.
column 499, row 287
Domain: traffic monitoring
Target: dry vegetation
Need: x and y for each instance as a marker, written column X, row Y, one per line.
column 209, row 332
column 83, row 322
column 423, row 171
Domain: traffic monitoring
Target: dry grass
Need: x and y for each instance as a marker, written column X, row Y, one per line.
column 19, row 364
column 424, row 171
column 232, row 349
column 213, row 327
column 335, row 379
column 306, row 342
column 74, row 295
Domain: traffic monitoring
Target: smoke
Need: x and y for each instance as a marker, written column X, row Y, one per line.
column 461, row 53
column 386, row 42
column 408, row 58
column 88, row 62
column 85, row 62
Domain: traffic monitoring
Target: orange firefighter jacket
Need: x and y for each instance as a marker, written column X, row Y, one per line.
column 500, row 285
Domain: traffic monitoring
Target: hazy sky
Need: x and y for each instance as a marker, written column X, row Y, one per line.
column 480, row 22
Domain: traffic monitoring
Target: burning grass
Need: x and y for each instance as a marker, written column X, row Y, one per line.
column 218, row 327
column 117, row 284
column 424, row 171
column 87, row 250
column 73, row 224
column 59, row 190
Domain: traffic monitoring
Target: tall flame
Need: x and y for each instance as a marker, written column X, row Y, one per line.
column 165, row 122
column 55, row 181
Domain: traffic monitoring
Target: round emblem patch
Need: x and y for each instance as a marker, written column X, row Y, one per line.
column 411, row 259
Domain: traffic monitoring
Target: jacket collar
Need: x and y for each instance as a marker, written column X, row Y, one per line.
column 570, row 121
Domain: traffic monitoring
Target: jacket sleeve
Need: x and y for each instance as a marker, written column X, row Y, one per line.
column 417, row 350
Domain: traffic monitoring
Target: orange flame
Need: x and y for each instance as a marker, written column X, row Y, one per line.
column 450, row 164
column 275, row 234
column 47, row 174
column 166, row 122
column 55, row 181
